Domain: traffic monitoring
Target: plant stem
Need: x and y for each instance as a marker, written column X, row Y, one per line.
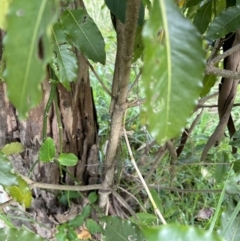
column 59, row 122
column 46, row 110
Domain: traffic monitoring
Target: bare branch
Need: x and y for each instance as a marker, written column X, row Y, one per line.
column 99, row 79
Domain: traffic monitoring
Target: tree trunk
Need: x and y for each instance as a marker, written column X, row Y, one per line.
column 79, row 132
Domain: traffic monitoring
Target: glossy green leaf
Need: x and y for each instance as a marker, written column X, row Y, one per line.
column 7, row 177
column 67, row 159
column 208, row 82
column 226, row 22
column 120, row 230
column 47, row 150
column 118, row 8
column 173, row 69
column 173, row 232
column 12, row 148
column 64, row 62
column 3, row 12
column 10, row 234
column 21, row 193
column 84, row 33
column 203, row 17
column 93, row 226
column 26, row 49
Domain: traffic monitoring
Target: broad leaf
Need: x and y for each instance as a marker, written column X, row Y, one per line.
column 67, row 159
column 21, row 193
column 120, row 230
column 28, row 27
column 208, row 83
column 3, row 12
column 93, row 226
column 12, row 148
column 173, row 69
column 7, row 177
column 10, row 234
column 191, row 3
column 118, row 8
column 226, row 22
column 64, row 62
column 203, row 17
column 47, row 151
column 173, row 232
column 84, row 33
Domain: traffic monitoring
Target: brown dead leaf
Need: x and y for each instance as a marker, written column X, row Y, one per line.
column 84, row 234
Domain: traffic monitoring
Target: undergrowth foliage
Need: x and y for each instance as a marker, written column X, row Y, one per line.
column 168, row 167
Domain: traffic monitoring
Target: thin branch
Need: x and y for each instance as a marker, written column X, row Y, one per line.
column 216, row 48
column 157, row 211
column 225, row 54
column 99, row 79
column 135, row 82
column 33, row 184
column 211, row 69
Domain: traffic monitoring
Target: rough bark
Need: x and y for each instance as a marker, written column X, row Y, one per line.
column 79, row 131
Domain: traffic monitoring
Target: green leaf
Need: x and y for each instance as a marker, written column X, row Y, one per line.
column 93, row 226
column 3, row 12
column 86, row 211
column 118, row 8
column 84, row 33
column 21, row 193
column 222, row 169
column 233, row 231
column 67, row 159
column 64, row 62
column 191, row 3
column 7, row 177
column 120, row 230
column 77, row 221
column 157, row 199
column 47, row 150
column 28, row 27
column 171, row 91
column 144, row 219
column 173, row 232
column 208, row 82
column 10, row 234
column 12, row 148
column 203, row 17
column 92, row 197
column 226, row 22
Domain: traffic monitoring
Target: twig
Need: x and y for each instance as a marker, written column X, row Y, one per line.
column 123, row 202
column 133, row 197
column 135, row 81
column 211, row 69
column 157, row 211
column 33, row 184
column 99, row 79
